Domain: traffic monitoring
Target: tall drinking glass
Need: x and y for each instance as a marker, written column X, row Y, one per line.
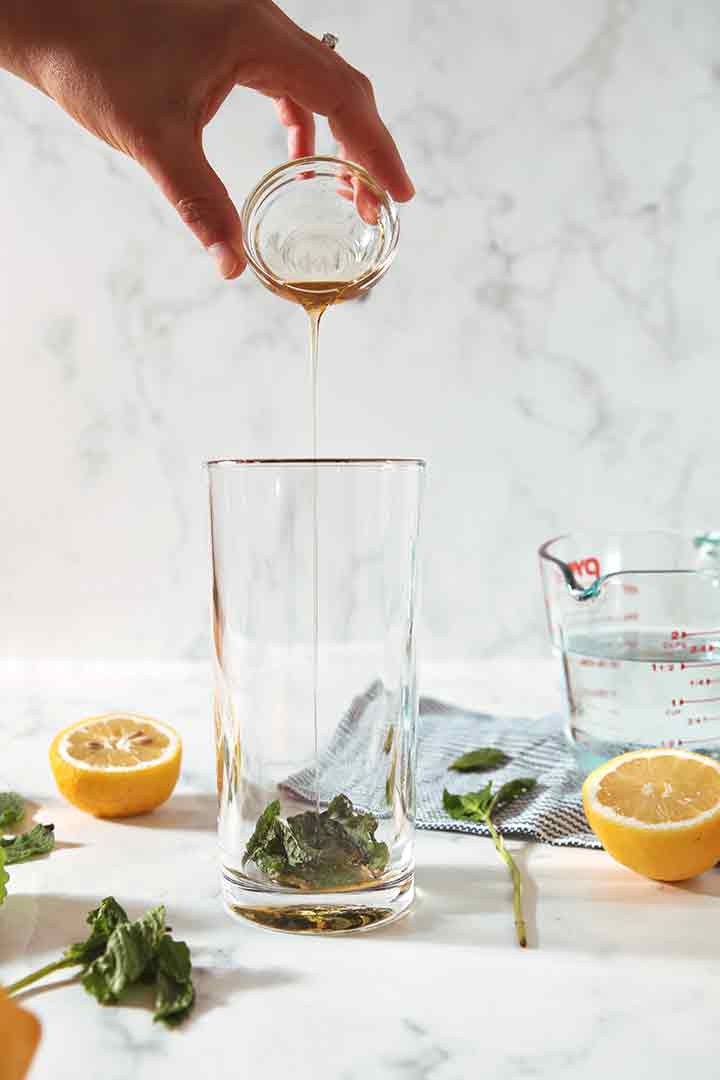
column 314, row 606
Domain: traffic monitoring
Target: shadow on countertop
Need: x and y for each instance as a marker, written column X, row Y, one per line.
column 46, row 923
column 447, row 896
column 600, row 911
column 183, row 811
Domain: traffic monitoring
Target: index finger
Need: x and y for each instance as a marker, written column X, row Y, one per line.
column 300, row 124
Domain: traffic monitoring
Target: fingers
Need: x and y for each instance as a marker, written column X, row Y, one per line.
column 298, row 66
column 185, row 177
column 300, row 124
column 358, row 192
column 356, row 124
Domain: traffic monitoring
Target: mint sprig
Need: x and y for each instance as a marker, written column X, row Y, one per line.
column 479, row 806
column 119, row 953
column 36, row 841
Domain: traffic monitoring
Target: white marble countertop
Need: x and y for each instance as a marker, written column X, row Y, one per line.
column 620, row 979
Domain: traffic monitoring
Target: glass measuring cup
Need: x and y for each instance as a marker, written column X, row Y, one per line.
column 635, row 621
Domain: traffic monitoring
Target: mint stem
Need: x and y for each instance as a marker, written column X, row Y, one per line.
column 21, row 984
column 505, row 855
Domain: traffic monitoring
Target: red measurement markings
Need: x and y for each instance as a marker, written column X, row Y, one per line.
column 702, row 682
column 682, row 666
column 629, row 590
column 688, row 647
column 676, row 702
column 588, row 567
column 587, row 662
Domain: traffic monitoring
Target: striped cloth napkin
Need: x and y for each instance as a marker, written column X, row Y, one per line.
column 552, row 813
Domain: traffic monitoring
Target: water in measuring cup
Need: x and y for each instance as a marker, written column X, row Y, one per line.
column 626, row 690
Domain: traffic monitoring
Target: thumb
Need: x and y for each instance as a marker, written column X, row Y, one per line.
column 185, row 177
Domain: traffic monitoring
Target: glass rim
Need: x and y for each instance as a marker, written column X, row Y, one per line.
column 265, row 184
column 590, row 592
column 694, row 536
column 311, row 159
column 418, row 463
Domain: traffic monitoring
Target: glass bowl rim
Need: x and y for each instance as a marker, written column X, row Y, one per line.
column 265, row 184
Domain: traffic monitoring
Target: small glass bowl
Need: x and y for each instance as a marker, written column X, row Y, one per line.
column 320, row 220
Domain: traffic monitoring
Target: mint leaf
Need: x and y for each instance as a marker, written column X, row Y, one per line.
column 265, row 830
column 481, row 760
column 453, row 804
column 4, row 878
column 175, row 993
column 12, row 809
column 318, row 850
column 37, row 841
column 361, row 827
column 103, row 920
column 514, row 789
column 105, row 917
column 295, row 848
column 131, row 948
column 378, row 857
column 473, row 806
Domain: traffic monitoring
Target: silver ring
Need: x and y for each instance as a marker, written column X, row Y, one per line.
column 330, row 40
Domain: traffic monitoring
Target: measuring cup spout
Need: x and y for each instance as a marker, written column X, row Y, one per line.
column 569, row 570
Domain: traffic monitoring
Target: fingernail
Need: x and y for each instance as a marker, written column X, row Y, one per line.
column 226, row 259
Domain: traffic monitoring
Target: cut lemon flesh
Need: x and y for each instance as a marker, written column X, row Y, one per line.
column 657, row 811
column 116, row 765
column 117, row 742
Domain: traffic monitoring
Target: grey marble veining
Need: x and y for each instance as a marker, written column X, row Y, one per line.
column 547, row 338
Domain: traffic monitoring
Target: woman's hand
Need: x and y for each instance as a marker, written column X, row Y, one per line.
column 146, row 76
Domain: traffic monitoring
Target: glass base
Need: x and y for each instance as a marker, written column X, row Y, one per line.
column 292, row 912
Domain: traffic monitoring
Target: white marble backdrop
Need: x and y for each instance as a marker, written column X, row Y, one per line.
column 548, row 337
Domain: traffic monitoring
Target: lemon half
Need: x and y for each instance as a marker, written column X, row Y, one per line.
column 116, row 765
column 657, row 811
column 20, row 1033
